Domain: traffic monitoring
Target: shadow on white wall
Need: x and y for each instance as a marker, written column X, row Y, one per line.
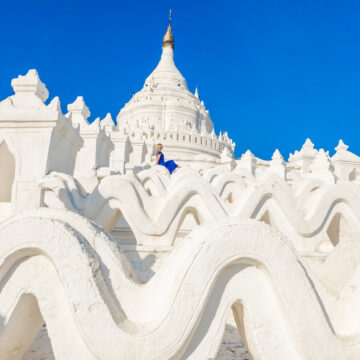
column 7, row 172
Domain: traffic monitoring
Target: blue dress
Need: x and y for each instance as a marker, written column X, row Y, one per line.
column 171, row 165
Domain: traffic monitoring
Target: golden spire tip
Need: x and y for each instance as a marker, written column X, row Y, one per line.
column 168, row 38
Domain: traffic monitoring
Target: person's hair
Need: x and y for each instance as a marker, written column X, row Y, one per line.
column 157, row 148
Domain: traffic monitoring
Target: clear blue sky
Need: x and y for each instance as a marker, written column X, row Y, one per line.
column 271, row 72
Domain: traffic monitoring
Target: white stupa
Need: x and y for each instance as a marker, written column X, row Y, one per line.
column 169, row 113
column 122, row 260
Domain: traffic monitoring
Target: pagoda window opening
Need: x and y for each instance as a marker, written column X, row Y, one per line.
column 7, row 172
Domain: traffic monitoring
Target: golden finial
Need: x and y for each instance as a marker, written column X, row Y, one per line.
column 168, row 38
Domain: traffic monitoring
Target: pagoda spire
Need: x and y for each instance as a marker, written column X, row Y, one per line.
column 196, row 92
column 168, row 40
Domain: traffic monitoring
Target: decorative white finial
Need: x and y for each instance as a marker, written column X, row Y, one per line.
column 226, row 155
column 277, row 155
column 247, row 162
column 196, row 92
column 247, row 155
column 107, row 121
column 308, row 144
column 341, row 146
column 79, row 112
column 79, row 107
column 30, row 84
column 55, row 104
column 277, row 165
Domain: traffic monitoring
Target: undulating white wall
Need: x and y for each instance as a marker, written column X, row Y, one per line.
column 112, row 251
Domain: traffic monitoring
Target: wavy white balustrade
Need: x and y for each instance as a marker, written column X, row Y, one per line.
column 87, row 287
column 154, row 205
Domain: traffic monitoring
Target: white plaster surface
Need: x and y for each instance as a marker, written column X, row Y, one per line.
column 230, row 279
column 41, row 348
column 122, row 260
column 231, row 348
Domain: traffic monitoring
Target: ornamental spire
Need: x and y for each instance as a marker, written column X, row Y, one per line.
column 168, row 38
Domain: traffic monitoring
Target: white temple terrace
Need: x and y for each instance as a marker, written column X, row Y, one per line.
column 165, row 111
column 122, row 260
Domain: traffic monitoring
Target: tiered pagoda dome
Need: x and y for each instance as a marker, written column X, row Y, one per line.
column 165, row 101
column 165, row 105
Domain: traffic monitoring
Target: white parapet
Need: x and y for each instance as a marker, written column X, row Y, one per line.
column 122, row 260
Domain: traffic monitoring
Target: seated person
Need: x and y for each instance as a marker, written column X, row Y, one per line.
column 170, row 164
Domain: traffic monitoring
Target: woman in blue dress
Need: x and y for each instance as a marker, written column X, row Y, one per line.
column 171, row 165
